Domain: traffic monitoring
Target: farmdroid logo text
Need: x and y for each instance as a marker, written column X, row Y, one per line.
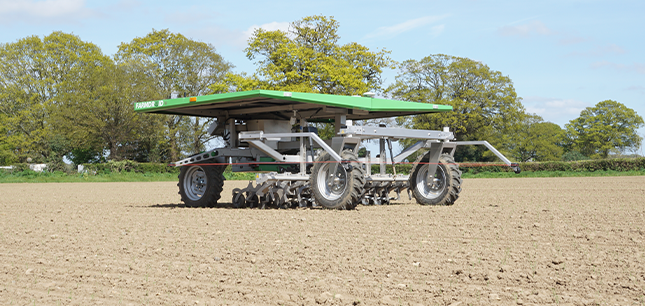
column 148, row 104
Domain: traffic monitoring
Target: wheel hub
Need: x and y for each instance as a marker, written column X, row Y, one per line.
column 195, row 183
column 332, row 185
column 433, row 188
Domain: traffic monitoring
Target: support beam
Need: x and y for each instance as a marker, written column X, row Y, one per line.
column 409, row 151
column 232, row 133
column 248, row 136
column 433, row 161
column 253, row 110
column 303, row 149
column 258, row 144
column 382, row 160
column 340, row 119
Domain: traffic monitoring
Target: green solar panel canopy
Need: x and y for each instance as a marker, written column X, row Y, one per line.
column 280, row 105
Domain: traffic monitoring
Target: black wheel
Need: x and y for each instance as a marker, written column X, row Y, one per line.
column 239, row 200
column 445, row 187
column 201, row 186
column 342, row 191
column 252, row 200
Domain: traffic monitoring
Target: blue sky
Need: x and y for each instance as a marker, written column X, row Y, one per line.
column 562, row 55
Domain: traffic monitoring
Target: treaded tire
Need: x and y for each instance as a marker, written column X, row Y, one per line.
column 207, row 192
column 449, row 184
column 353, row 188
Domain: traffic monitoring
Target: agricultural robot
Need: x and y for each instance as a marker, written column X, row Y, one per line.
column 268, row 132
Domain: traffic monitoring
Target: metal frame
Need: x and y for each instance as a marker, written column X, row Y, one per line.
column 435, row 141
column 291, row 183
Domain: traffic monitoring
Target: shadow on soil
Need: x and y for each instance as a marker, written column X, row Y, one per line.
column 180, row 205
column 230, row 206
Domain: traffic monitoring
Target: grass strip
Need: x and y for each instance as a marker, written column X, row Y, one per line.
column 554, row 174
column 61, row 177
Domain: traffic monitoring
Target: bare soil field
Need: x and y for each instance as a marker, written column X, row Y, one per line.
column 529, row 241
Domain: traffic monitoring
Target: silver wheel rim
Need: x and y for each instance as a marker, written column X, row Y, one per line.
column 195, row 183
column 436, row 188
column 332, row 188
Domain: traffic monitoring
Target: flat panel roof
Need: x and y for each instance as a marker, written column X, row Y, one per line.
column 270, row 104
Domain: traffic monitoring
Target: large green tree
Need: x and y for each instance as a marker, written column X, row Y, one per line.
column 485, row 105
column 34, row 73
column 535, row 140
column 183, row 66
column 7, row 149
column 99, row 117
column 608, row 127
column 308, row 57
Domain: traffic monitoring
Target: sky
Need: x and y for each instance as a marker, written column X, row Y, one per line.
column 562, row 56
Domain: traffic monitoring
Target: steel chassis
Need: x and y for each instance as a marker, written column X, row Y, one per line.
column 290, row 186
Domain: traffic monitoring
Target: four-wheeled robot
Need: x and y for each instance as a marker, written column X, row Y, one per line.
column 269, row 132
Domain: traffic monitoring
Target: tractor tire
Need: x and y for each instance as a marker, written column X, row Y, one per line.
column 201, row 186
column 447, row 183
column 348, row 186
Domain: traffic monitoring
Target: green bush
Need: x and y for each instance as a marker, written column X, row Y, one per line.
column 616, row 164
column 156, row 168
column 573, row 156
column 129, row 166
column 133, row 171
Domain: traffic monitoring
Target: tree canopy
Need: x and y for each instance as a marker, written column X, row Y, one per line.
column 34, row 76
column 101, row 118
column 485, row 105
column 182, row 66
column 535, row 140
column 608, row 127
column 61, row 96
column 309, row 58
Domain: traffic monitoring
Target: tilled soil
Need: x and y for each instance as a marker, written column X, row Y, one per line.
column 576, row 241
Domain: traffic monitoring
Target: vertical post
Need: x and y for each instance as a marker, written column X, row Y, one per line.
column 233, row 133
column 303, row 149
column 341, row 119
column 446, row 130
column 369, row 163
column 382, row 159
column 433, row 161
column 389, row 145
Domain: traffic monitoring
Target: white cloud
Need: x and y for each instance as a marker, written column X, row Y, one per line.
column 634, row 67
column 236, row 38
column 535, row 27
column 556, row 110
column 42, row 11
column 392, row 31
column 535, row 110
column 271, row 26
column 611, row 49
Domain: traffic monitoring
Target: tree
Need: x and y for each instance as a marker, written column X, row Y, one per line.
column 309, row 58
column 99, row 117
column 485, row 105
column 536, row 140
column 573, row 156
column 178, row 65
column 608, row 127
column 33, row 74
column 7, row 154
